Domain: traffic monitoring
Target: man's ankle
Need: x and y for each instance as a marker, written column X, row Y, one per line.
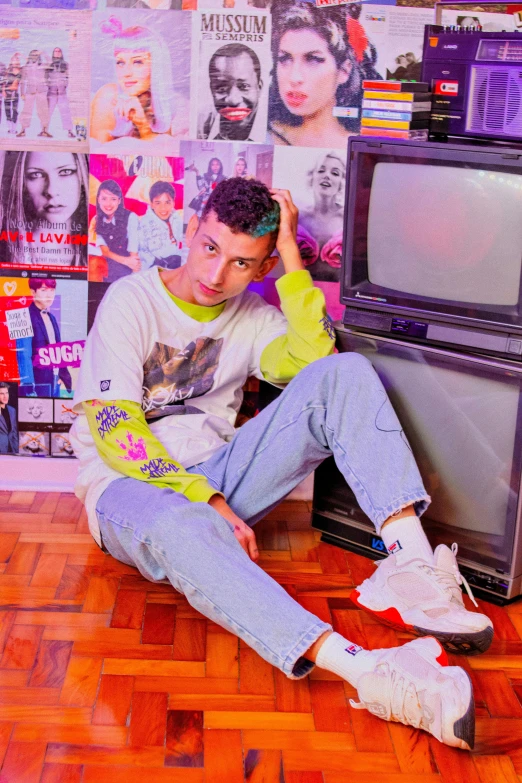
column 311, row 653
column 409, row 511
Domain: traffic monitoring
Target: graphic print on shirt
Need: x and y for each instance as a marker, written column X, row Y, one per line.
column 173, row 375
column 135, row 450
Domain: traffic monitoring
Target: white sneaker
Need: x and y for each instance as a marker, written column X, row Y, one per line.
column 411, row 685
column 426, row 599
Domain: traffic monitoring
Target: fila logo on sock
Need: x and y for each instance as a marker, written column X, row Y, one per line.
column 395, row 547
column 353, row 649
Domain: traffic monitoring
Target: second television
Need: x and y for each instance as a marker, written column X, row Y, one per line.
column 433, row 243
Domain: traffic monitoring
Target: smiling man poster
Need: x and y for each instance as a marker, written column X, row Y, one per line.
column 231, row 66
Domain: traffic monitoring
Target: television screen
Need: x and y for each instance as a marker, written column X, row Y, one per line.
column 460, row 418
column 446, row 232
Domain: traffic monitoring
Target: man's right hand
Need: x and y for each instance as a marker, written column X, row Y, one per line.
column 244, row 534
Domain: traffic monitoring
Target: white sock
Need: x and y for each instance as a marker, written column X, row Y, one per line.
column 342, row 657
column 406, row 539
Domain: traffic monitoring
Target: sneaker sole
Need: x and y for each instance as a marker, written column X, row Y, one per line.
column 460, row 643
column 464, row 728
column 457, row 643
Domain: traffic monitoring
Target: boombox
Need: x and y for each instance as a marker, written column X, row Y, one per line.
column 476, row 80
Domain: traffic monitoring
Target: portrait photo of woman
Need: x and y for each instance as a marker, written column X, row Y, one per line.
column 137, row 100
column 113, row 232
column 320, row 58
column 240, row 168
column 320, row 181
column 45, row 193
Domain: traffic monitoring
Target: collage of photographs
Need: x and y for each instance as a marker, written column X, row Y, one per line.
column 118, row 118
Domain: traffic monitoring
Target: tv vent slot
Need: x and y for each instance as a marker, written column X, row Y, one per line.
column 496, row 101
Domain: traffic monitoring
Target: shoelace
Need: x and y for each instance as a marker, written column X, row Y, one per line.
column 447, row 577
column 399, row 687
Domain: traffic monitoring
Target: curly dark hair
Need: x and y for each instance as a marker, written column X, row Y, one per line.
column 245, row 206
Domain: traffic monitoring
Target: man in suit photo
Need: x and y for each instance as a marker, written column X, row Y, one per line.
column 8, row 422
column 44, row 381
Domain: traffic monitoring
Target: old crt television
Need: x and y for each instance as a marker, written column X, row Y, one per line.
column 462, row 415
column 433, row 243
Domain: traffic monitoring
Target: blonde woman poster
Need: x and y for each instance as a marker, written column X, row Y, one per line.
column 140, row 81
column 317, row 180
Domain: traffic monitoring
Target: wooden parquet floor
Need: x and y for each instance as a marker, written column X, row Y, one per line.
column 107, row 678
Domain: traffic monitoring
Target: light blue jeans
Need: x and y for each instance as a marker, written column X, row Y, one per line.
column 336, row 405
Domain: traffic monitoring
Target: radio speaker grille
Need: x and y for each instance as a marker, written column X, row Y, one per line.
column 495, row 103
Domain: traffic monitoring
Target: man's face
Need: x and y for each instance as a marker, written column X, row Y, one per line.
column 221, row 264
column 4, row 397
column 43, row 297
column 163, row 206
column 235, row 89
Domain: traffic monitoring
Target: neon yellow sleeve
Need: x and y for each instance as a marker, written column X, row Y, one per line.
column 125, row 443
column 310, row 334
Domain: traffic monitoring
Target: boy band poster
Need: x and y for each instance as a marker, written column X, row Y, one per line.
column 44, row 68
column 135, row 215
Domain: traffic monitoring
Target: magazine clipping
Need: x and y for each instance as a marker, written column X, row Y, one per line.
column 44, row 79
column 34, row 443
column 65, row 5
column 135, row 215
column 151, row 5
column 207, row 163
column 316, row 179
column 43, row 326
column 397, row 34
column 230, row 75
column 43, row 213
column 43, row 415
column 320, row 58
column 140, row 81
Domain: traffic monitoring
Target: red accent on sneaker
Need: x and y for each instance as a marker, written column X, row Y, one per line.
column 389, row 616
column 392, row 617
column 442, row 659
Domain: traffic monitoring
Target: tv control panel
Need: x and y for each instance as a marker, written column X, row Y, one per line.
column 435, row 332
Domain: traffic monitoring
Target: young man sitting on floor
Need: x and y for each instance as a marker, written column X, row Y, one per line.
column 173, row 489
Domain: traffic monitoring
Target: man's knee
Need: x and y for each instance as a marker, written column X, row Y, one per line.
column 348, row 365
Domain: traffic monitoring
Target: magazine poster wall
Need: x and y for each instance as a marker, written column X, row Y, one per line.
column 117, row 120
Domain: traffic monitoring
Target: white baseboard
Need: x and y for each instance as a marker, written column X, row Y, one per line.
column 304, row 490
column 38, row 474
column 34, row 474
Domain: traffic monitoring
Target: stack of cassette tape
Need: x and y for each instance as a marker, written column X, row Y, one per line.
column 396, row 109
